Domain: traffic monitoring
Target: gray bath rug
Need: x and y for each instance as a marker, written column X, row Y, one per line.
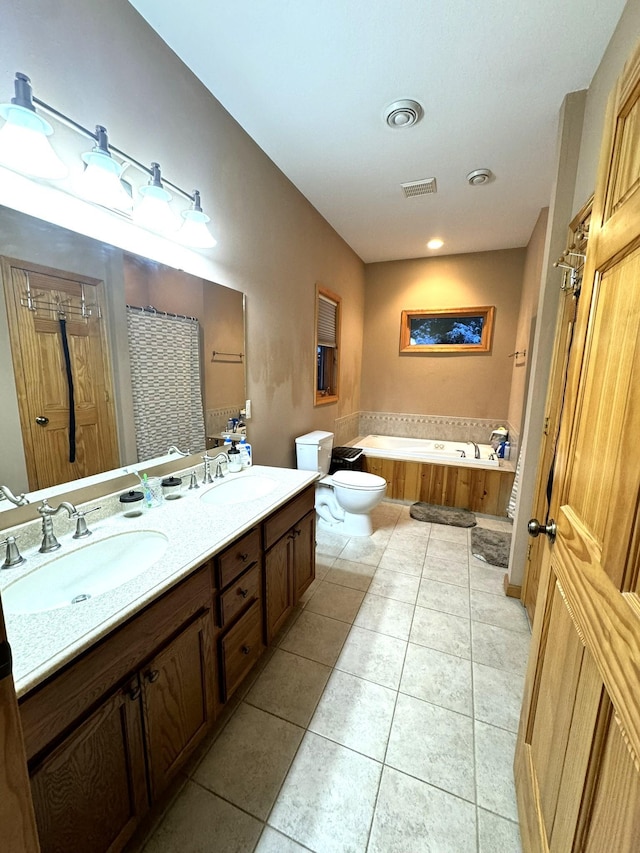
column 442, row 514
column 491, row 546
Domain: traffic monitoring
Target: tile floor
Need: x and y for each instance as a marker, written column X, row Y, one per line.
column 384, row 719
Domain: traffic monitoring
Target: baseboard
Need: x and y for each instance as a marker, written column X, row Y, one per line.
column 511, row 589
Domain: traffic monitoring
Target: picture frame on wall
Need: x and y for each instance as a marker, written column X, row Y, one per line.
column 447, row 330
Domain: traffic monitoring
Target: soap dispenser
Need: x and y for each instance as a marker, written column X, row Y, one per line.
column 235, row 463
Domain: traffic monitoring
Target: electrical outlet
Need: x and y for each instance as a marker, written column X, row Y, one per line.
column 247, row 409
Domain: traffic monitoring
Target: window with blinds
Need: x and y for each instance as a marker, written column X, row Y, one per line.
column 327, row 349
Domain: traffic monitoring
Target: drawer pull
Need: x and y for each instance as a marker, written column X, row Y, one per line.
column 244, row 557
column 152, row 675
column 245, row 650
column 134, row 693
column 243, row 592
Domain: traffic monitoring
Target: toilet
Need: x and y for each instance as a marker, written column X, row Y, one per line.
column 344, row 500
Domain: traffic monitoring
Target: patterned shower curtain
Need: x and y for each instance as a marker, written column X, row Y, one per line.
column 165, row 380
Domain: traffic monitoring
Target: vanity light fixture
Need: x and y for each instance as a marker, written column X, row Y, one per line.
column 101, row 180
column 436, row 243
column 25, row 148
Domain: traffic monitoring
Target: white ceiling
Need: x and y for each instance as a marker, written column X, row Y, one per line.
column 309, row 81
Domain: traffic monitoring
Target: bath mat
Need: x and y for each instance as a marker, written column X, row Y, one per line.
column 442, row 514
column 491, row 546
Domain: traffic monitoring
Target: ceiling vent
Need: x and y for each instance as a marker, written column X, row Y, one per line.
column 403, row 114
column 479, row 177
column 423, row 187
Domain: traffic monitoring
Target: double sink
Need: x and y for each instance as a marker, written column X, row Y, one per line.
column 104, row 564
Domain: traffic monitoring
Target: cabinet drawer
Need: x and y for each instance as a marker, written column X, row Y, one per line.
column 237, row 558
column 243, row 591
column 240, row 648
column 278, row 524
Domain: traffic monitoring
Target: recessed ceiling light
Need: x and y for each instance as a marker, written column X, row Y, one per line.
column 479, row 177
column 435, row 244
column 403, row 113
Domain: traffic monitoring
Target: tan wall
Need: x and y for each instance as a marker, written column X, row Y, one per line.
column 460, row 384
column 525, row 331
column 100, row 62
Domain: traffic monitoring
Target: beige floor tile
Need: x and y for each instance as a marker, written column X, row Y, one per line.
column 497, row 696
column 500, row 647
column 413, row 816
column 408, row 561
column 375, row 657
column 414, row 545
column 497, row 834
column 412, row 529
column 290, row 686
column 498, row 610
column 447, row 597
column 338, row 602
column 495, row 750
column 395, row 585
column 441, row 631
column 449, row 533
column 249, row 760
column 200, row 822
column 329, row 544
column 316, row 637
column 355, row 713
column 433, row 744
column 486, row 578
column 327, row 800
column 446, row 571
column 438, row 678
column 361, row 549
column 445, row 550
column 272, row 841
column 348, row 573
column 386, row 616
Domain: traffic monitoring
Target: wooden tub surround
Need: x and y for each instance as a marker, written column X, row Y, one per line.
column 477, row 489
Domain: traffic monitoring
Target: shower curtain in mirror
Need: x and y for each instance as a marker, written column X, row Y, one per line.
column 165, row 380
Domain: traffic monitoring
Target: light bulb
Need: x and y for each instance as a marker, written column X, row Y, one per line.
column 100, row 181
column 194, row 231
column 24, row 146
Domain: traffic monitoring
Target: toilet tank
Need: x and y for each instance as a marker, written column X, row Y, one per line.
column 313, row 451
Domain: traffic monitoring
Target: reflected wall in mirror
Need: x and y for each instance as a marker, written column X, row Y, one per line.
column 125, row 279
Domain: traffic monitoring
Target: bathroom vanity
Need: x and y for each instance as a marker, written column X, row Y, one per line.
column 113, row 713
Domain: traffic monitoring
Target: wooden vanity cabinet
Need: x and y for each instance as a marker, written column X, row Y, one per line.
column 289, row 561
column 100, row 752
column 240, row 611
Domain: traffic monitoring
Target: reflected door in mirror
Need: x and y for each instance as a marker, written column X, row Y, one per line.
column 56, row 449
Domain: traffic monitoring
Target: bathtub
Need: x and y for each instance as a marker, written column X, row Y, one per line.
column 427, row 450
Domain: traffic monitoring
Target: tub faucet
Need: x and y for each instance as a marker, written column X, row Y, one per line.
column 49, row 541
column 463, row 455
column 476, row 449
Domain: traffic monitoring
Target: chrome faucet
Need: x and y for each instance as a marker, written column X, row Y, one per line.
column 6, row 492
column 49, row 541
column 463, row 455
column 206, row 474
column 13, row 557
column 476, row 451
column 174, row 449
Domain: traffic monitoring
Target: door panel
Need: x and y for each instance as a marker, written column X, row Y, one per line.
column 577, row 755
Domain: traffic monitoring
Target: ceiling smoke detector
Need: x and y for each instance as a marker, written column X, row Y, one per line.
column 403, row 114
column 479, row 177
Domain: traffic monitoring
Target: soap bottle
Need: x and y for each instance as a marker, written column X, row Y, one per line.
column 245, row 452
column 235, row 464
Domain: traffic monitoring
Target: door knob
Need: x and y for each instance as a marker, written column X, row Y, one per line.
column 535, row 529
column 42, row 421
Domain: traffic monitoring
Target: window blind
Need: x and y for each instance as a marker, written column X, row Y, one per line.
column 327, row 321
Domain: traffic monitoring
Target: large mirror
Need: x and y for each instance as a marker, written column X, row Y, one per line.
column 44, row 265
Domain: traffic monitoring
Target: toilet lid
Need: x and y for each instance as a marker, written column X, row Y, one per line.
column 358, row 480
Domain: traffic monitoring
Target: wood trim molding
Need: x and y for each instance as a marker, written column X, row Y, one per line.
column 511, row 590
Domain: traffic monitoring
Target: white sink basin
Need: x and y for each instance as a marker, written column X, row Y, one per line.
column 75, row 577
column 236, row 491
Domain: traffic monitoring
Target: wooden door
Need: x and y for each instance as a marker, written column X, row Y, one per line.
column 178, row 698
column 90, row 792
column 304, row 558
column 17, row 819
column 578, row 750
column 564, row 338
column 36, row 299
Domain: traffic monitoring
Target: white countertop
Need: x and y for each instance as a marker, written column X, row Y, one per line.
column 42, row 642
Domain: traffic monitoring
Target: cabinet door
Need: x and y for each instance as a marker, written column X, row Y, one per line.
column 278, row 584
column 304, row 554
column 89, row 793
column 178, row 699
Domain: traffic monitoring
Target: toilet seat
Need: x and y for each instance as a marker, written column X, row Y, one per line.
column 358, row 480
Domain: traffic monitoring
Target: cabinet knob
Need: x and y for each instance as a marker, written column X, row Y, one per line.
column 152, row 675
column 243, row 592
column 245, row 650
column 244, row 557
column 134, row 693
column 297, row 531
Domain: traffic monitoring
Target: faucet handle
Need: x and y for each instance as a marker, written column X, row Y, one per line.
column 13, row 556
column 81, row 525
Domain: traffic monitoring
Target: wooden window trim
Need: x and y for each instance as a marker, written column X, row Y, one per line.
column 320, row 398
